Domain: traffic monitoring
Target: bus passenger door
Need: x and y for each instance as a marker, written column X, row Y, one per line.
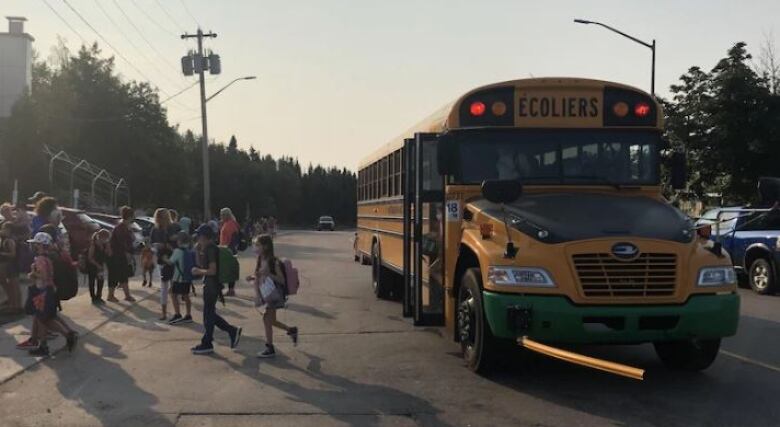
column 424, row 243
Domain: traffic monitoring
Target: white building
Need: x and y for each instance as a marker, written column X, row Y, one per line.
column 15, row 64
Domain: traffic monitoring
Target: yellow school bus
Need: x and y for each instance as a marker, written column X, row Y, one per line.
column 533, row 208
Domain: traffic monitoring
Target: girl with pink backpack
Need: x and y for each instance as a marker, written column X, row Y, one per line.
column 271, row 289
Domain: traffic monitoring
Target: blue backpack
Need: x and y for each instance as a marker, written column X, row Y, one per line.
column 188, row 261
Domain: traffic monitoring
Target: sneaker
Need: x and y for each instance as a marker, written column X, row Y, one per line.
column 235, row 338
column 162, row 318
column 143, row 284
column 186, row 319
column 175, row 319
column 28, row 344
column 41, row 351
column 293, row 334
column 70, row 341
column 267, row 353
column 129, row 299
column 203, row 349
column 112, row 299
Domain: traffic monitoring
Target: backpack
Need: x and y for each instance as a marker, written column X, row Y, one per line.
column 66, row 278
column 188, row 261
column 290, row 274
column 239, row 242
column 227, row 270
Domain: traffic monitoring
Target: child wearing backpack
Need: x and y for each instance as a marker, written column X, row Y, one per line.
column 42, row 300
column 182, row 260
column 270, row 267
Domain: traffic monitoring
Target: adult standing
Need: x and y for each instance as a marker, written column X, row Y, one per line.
column 8, row 268
column 120, row 261
column 208, row 267
column 228, row 236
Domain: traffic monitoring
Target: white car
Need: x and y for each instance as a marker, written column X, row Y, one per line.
column 326, row 223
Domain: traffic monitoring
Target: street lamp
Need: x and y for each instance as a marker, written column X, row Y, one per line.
column 651, row 46
column 227, row 85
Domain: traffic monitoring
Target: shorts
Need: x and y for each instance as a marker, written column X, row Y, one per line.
column 118, row 271
column 181, row 288
column 41, row 303
column 166, row 273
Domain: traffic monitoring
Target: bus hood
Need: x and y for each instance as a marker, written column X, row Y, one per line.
column 563, row 217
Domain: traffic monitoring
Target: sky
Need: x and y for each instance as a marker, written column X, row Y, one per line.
column 338, row 78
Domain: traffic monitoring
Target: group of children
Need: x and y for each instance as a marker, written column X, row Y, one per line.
column 181, row 263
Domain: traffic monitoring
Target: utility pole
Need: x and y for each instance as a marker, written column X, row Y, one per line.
column 200, row 63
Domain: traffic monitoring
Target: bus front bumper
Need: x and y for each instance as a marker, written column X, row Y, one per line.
column 556, row 319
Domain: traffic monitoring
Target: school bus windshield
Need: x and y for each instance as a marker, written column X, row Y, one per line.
column 559, row 157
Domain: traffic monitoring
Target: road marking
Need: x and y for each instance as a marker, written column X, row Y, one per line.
column 751, row 361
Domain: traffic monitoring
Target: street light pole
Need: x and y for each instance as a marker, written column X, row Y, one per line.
column 650, row 46
column 228, row 85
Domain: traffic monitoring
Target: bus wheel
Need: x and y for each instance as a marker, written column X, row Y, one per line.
column 379, row 275
column 476, row 341
column 761, row 276
column 689, row 355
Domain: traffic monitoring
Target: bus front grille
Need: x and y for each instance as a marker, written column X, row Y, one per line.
column 648, row 275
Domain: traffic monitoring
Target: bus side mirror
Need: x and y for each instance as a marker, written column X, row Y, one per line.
column 679, row 176
column 502, row 191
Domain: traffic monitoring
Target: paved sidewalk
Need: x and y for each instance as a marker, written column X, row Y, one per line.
column 78, row 312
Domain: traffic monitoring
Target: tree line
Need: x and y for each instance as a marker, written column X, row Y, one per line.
column 728, row 122
column 726, row 119
column 81, row 105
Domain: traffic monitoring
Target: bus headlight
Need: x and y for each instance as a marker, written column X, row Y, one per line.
column 717, row 276
column 520, row 276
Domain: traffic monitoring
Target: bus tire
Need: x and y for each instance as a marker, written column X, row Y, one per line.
column 476, row 341
column 380, row 277
column 761, row 276
column 689, row 355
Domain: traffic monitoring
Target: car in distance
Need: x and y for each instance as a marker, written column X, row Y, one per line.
column 326, row 223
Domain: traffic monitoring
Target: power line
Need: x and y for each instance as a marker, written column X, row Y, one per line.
column 67, row 24
column 143, row 37
column 137, row 49
column 154, row 49
column 187, row 9
column 154, row 21
column 179, row 93
column 174, row 21
column 116, row 51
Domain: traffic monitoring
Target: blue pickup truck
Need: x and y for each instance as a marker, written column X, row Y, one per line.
column 753, row 241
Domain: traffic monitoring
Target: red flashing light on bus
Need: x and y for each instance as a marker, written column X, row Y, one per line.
column 641, row 109
column 477, row 108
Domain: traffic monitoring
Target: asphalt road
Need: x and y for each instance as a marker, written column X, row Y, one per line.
column 359, row 363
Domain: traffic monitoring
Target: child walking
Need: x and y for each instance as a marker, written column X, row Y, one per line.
column 182, row 260
column 147, row 265
column 42, row 299
column 269, row 267
column 99, row 251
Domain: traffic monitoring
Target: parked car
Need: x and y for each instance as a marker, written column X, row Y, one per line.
column 753, row 241
column 326, row 223
column 146, row 223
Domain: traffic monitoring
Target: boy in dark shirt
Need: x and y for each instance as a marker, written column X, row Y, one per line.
column 208, row 267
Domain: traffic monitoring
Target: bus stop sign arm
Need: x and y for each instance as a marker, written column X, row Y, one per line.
column 651, row 46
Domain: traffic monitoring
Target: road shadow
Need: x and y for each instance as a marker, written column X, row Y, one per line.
column 337, row 396
column 92, row 379
column 311, row 311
